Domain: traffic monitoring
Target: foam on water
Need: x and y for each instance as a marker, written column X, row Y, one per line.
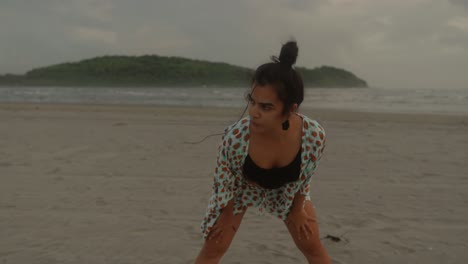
column 442, row 101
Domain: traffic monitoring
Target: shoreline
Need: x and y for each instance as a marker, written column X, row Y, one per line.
column 223, row 112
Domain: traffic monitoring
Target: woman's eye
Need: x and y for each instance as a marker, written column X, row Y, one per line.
column 249, row 99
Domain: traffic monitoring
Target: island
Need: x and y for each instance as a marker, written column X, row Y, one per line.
column 164, row 71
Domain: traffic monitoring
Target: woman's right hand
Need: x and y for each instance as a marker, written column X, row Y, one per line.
column 301, row 222
column 223, row 223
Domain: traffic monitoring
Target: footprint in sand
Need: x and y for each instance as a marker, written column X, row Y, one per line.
column 54, row 171
column 164, row 212
column 399, row 247
column 120, row 124
column 101, row 202
column 141, row 230
column 192, row 231
column 58, row 179
column 5, row 164
column 69, row 151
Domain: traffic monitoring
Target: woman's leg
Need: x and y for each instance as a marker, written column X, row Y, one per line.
column 311, row 248
column 213, row 250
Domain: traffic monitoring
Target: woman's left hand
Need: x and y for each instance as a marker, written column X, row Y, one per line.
column 302, row 222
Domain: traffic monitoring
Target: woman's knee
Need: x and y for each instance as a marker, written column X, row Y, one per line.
column 216, row 245
column 313, row 249
column 216, row 248
column 311, row 246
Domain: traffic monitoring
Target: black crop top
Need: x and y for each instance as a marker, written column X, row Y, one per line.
column 275, row 177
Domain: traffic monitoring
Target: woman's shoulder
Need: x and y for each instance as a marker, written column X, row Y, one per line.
column 312, row 126
column 237, row 132
column 237, row 128
column 314, row 134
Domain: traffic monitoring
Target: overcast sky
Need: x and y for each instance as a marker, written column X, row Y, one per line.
column 389, row 43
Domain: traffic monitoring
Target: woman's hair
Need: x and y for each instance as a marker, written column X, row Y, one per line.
column 282, row 76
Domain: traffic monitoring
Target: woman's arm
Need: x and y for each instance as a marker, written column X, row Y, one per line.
column 298, row 202
column 319, row 146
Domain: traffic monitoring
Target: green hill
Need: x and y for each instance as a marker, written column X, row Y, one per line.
column 327, row 76
column 153, row 70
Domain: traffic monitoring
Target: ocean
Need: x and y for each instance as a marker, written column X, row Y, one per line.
column 438, row 101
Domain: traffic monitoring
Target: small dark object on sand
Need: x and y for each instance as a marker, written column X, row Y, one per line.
column 335, row 238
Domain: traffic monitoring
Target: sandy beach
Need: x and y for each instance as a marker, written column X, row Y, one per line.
column 120, row 184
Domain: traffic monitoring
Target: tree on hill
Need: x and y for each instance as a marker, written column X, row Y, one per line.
column 154, row 70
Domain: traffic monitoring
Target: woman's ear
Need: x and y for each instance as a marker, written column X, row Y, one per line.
column 294, row 108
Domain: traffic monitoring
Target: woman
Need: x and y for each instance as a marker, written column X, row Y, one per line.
column 266, row 160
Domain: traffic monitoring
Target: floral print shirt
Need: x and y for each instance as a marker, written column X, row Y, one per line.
column 229, row 182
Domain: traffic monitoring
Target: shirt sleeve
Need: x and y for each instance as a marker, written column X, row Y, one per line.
column 223, row 186
column 319, row 140
column 223, row 179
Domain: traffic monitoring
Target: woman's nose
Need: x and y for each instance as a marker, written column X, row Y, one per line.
column 253, row 111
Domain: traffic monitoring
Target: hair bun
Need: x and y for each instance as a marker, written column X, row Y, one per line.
column 288, row 54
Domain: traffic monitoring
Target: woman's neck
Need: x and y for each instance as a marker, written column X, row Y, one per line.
column 277, row 135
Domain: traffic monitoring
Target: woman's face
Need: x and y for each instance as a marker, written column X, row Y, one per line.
column 265, row 109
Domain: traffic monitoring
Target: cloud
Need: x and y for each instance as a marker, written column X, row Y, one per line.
column 399, row 43
column 460, row 23
column 93, row 35
column 462, row 3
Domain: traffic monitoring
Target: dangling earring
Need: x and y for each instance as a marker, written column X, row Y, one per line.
column 285, row 124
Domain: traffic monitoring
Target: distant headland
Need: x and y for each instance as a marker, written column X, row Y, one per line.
column 162, row 71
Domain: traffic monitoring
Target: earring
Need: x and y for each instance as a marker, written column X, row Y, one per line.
column 285, row 124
